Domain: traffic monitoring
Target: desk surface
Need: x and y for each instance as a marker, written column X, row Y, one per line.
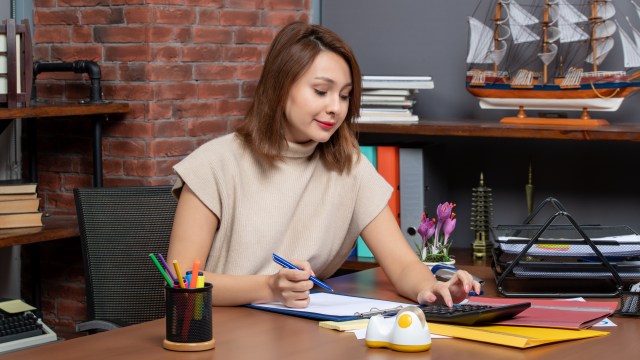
column 243, row 333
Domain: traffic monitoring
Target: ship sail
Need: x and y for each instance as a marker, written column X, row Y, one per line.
column 519, row 18
column 630, row 50
column 481, row 45
column 548, row 56
column 568, row 17
column 602, row 33
column 636, row 33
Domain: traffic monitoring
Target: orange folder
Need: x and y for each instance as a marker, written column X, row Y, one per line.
column 389, row 168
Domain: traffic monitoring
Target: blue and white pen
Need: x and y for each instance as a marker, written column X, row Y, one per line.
column 284, row 263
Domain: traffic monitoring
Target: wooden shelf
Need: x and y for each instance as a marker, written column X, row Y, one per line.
column 95, row 113
column 63, row 109
column 54, row 228
column 472, row 128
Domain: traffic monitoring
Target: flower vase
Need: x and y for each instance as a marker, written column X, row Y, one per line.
column 432, row 264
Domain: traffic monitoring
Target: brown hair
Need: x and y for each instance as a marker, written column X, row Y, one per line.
column 293, row 50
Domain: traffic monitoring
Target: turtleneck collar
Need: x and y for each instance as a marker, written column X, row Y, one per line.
column 300, row 150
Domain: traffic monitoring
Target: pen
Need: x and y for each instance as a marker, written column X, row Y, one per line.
column 164, row 263
column 178, row 274
column 284, row 263
column 164, row 275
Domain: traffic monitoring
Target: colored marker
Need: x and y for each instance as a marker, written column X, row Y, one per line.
column 164, row 263
column 200, row 282
column 284, row 263
column 164, row 275
column 178, row 274
column 195, row 271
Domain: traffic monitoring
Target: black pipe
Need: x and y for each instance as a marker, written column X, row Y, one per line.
column 88, row 67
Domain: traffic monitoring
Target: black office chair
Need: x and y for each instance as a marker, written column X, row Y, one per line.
column 119, row 228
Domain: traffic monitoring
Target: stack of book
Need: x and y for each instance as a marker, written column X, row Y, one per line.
column 391, row 98
column 19, row 205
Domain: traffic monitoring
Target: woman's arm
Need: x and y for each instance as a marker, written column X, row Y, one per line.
column 194, row 227
column 408, row 274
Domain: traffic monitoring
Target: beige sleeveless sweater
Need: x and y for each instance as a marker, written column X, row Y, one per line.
column 299, row 210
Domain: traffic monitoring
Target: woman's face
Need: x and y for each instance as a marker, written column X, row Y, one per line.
column 319, row 100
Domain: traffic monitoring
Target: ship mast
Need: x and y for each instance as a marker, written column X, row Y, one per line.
column 545, row 26
column 496, row 37
column 594, row 40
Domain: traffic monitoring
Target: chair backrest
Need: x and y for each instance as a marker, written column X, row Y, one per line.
column 119, row 228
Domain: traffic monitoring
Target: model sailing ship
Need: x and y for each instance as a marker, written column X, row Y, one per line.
column 547, row 55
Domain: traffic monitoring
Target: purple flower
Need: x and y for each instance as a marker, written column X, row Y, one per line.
column 427, row 227
column 447, row 228
column 444, row 211
column 433, row 242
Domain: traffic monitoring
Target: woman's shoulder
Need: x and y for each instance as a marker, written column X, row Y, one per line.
column 225, row 142
column 220, row 148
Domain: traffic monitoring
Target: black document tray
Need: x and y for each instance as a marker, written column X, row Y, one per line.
column 559, row 258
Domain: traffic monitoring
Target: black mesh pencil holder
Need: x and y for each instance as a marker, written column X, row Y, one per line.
column 629, row 303
column 189, row 319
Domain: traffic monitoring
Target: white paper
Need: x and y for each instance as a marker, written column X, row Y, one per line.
column 339, row 305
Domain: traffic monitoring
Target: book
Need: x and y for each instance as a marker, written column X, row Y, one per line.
column 369, row 152
column 385, row 112
column 19, row 206
column 387, row 118
column 389, row 168
column 412, row 196
column 19, row 220
column 16, row 187
column 383, row 98
column 397, row 82
column 394, row 103
column 5, row 197
column 395, row 92
column 395, row 78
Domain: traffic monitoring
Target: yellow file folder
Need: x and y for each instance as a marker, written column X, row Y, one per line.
column 516, row 336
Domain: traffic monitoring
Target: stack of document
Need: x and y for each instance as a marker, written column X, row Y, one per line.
column 391, row 98
column 546, row 321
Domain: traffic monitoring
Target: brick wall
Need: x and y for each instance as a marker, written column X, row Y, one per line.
column 188, row 69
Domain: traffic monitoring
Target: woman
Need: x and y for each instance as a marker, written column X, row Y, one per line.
column 291, row 181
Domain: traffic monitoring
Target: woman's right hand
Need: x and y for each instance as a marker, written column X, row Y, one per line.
column 292, row 287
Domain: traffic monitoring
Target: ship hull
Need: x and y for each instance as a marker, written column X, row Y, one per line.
column 597, row 97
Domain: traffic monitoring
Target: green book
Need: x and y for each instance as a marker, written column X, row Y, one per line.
column 370, row 153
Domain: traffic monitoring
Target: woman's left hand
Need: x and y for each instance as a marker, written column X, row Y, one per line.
column 450, row 292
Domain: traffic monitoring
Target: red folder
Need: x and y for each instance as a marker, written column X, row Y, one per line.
column 389, row 168
column 562, row 314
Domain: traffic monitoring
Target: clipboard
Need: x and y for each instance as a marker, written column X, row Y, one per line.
column 335, row 307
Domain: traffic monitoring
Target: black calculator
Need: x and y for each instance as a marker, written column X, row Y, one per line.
column 472, row 314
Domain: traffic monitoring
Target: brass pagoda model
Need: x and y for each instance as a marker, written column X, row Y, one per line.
column 481, row 210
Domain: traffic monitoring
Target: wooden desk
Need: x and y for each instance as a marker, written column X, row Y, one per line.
column 243, row 333
column 38, row 111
